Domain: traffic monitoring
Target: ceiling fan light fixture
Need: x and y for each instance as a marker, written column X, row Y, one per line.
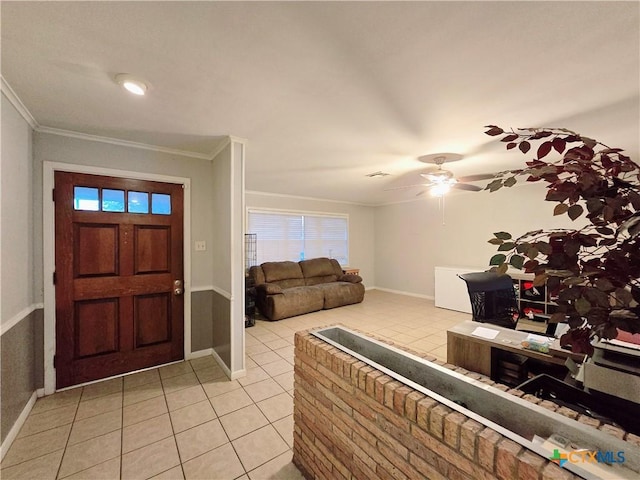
column 132, row 84
column 438, row 176
column 440, row 189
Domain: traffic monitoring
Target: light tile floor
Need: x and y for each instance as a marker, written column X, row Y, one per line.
column 188, row 421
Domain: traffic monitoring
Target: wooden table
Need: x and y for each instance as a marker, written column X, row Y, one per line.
column 351, row 271
column 478, row 354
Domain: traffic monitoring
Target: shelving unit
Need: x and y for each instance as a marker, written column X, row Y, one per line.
column 530, row 298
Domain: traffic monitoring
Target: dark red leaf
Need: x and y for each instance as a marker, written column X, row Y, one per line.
column 509, row 138
column 544, row 149
column 524, row 146
column 493, row 130
column 559, row 144
column 575, row 211
column 511, row 145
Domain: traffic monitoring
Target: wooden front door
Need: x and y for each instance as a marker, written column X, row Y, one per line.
column 118, row 276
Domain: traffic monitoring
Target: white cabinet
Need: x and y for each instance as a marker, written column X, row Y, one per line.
column 450, row 290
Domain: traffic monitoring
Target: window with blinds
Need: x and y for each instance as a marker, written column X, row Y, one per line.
column 297, row 236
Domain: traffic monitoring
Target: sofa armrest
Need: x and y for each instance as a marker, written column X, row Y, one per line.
column 350, row 278
column 269, row 288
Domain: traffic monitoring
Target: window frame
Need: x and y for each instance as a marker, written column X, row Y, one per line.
column 301, row 213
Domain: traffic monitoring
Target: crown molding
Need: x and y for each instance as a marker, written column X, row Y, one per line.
column 317, row 199
column 17, row 103
column 119, row 142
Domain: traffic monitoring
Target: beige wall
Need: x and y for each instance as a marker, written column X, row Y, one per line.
column 16, row 202
column 411, row 238
column 361, row 225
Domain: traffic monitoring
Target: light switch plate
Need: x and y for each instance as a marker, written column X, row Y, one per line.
column 200, row 245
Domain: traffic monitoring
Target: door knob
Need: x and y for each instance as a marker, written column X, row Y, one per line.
column 177, row 291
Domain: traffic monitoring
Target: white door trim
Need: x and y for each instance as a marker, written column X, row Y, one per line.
column 48, row 253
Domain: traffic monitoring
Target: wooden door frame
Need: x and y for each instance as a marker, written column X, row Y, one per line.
column 48, row 253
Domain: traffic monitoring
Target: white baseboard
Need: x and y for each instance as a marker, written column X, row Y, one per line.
column 238, row 374
column 13, row 433
column 210, row 351
column 400, row 292
column 199, row 353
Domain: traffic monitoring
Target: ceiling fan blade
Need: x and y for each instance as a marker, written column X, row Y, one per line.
column 477, row 177
column 407, row 186
column 419, row 194
column 466, row 186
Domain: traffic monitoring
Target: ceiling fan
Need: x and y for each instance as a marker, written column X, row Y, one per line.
column 439, row 180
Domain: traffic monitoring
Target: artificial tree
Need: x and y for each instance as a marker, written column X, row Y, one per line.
column 593, row 272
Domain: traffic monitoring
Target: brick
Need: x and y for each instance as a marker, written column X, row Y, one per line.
column 501, row 387
column 400, row 398
column 530, row 465
column 423, row 411
column 429, row 358
column 436, row 420
column 389, row 472
column 369, row 381
column 452, row 424
column 411, row 405
column 633, row 439
column 356, row 367
column 361, row 429
column 516, row 392
column 390, row 435
column 553, row 472
column 426, row 469
column 614, row 431
column 567, row 412
column 587, row 420
column 531, row 398
column 366, row 406
column 456, row 474
column 487, row 440
column 507, row 459
column 389, row 391
column 548, row 405
column 469, row 431
column 379, row 383
column 390, row 414
column 360, row 470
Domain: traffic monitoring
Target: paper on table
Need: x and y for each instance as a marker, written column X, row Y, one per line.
column 487, row 333
column 620, row 343
column 538, row 338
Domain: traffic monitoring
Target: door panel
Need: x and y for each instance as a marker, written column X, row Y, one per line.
column 118, row 258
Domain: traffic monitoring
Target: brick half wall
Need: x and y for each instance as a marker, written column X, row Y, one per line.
column 352, row 421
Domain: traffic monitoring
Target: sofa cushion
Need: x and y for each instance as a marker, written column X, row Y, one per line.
column 320, row 270
column 284, row 274
column 269, row 288
column 351, row 278
column 337, row 294
column 293, row 301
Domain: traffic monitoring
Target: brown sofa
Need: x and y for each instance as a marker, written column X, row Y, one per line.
column 285, row 289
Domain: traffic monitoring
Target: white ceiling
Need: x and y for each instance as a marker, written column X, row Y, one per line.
column 327, row 92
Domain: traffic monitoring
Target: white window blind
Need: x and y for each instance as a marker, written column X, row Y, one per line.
column 296, row 236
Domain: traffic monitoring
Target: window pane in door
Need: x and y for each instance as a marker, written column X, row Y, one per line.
column 161, row 203
column 138, row 202
column 86, row 198
column 112, row 200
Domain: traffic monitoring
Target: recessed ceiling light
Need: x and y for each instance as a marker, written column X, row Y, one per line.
column 131, row 84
